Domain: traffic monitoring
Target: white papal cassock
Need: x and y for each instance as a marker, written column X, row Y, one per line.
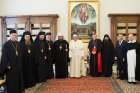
column 131, row 61
column 76, row 53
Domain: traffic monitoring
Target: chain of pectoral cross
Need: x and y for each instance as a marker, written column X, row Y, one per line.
column 15, row 48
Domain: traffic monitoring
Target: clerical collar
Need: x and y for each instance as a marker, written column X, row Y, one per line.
column 133, row 41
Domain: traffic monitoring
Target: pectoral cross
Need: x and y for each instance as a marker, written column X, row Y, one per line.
column 16, row 53
column 49, row 47
column 45, row 57
column 29, row 51
column 60, row 47
column 42, row 50
column 66, row 48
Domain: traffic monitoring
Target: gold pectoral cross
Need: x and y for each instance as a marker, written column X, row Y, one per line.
column 49, row 47
column 16, row 53
column 29, row 51
column 66, row 49
column 45, row 57
column 42, row 50
column 15, row 48
column 60, row 47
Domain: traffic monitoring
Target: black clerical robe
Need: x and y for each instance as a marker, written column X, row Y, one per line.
column 29, row 66
column 95, row 59
column 49, row 54
column 61, row 58
column 11, row 65
column 138, row 63
column 41, row 60
column 108, row 57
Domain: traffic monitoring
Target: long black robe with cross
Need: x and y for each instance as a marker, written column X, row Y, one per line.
column 94, row 59
column 61, row 58
column 108, row 57
column 29, row 66
column 49, row 54
column 11, row 65
column 41, row 60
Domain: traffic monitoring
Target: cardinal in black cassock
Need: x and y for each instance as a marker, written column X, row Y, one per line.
column 41, row 57
column 108, row 55
column 29, row 66
column 95, row 46
column 49, row 54
column 11, row 64
column 61, row 47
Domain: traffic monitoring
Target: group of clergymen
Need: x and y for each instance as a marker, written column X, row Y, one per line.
column 29, row 62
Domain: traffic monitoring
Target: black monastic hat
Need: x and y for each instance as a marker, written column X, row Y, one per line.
column 13, row 31
column 41, row 33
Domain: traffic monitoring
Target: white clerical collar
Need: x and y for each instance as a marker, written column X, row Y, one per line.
column 133, row 41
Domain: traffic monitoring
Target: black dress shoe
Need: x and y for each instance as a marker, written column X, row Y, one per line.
column 134, row 82
column 118, row 77
column 129, row 82
column 121, row 78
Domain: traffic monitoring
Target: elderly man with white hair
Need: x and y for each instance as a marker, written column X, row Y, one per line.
column 61, row 57
column 76, row 54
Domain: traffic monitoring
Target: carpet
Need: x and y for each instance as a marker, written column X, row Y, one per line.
column 81, row 85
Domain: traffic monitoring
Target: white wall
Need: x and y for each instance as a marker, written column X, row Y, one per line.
column 28, row 7
column 33, row 7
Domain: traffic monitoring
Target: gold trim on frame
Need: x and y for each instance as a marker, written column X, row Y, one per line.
column 91, row 2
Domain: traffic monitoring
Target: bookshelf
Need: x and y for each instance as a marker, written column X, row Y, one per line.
column 32, row 23
column 124, row 24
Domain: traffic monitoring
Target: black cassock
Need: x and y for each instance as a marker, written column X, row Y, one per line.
column 138, row 64
column 61, row 58
column 29, row 66
column 120, row 53
column 49, row 54
column 41, row 60
column 11, row 65
column 95, row 60
column 108, row 57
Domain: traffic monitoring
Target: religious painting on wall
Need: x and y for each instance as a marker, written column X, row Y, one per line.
column 83, row 18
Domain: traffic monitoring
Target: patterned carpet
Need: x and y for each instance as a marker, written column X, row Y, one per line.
column 85, row 85
column 82, row 85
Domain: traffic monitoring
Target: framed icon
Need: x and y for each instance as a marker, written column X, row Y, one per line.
column 83, row 18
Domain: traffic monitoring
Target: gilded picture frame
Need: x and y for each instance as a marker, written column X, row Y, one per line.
column 83, row 18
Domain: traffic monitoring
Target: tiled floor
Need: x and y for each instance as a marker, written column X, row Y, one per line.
column 129, row 88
